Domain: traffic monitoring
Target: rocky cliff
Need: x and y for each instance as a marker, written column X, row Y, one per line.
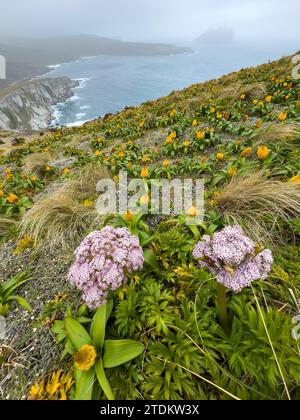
column 28, row 106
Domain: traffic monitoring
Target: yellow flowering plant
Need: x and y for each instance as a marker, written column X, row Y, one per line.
column 93, row 353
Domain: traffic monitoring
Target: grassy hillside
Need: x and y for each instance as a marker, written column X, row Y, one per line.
column 196, row 338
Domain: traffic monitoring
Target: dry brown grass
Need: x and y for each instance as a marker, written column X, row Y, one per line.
column 58, row 219
column 277, row 133
column 254, row 90
column 37, row 162
column 236, row 89
column 259, row 203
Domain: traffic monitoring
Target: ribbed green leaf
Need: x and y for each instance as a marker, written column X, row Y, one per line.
column 103, row 380
column 77, row 333
column 98, row 327
column 84, row 383
column 118, row 352
column 21, row 301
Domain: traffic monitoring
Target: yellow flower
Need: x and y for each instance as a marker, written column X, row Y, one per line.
column 268, row 99
column 173, row 135
column 212, row 110
column 232, row 171
column 200, row 135
column 246, row 152
column 145, row 159
column 255, row 101
column 166, row 163
column 194, row 123
column 67, row 171
column 54, row 386
column 1, row 193
column 88, row 203
column 36, row 391
column 144, row 200
column 258, row 124
column 203, row 159
column 169, row 140
column 128, row 216
column 34, row 178
column 193, row 212
column 173, row 113
column 260, row 103
column 12, row 198
column 295, row 179
column 97, row 153
column 243, row 96
column 219, row 115
column 187, row 143
column 145, row 172
column 282, row 116
column 48, row 168
column 121, row 154
column 85, row 358
column 25, row 243
column 262, row 152
column 142, row 124
column 220, row 156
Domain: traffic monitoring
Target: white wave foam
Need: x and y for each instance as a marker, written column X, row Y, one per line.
column 80, row 115
column 83, row 107
column 76, row 123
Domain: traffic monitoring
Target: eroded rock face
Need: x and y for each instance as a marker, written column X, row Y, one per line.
column 29, row 105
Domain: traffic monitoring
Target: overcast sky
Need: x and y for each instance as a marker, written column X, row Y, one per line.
column 152, row 20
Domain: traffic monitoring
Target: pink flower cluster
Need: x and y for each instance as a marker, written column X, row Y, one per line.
column 233, row 258
column 103, row 260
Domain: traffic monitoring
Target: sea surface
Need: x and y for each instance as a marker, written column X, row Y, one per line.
column 108, row 84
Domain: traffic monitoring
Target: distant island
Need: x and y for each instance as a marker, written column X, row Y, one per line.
column 26, row 102
column 28, row 57
column 218, row 36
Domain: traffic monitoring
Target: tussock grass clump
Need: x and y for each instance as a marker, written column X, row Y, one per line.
column 236, row 89
column 57, row 220
column 259, row 203
column 254, row 90
column 277, row 133
column 37, row 162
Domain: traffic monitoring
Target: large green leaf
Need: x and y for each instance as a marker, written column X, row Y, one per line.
column 77, row 333
column 118, row 352
column 21, row 301
column 103, row 380
column 84, row 383
column 10, row 286
column 98, row 327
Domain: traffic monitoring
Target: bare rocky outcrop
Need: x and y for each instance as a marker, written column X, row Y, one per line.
column 29, row 105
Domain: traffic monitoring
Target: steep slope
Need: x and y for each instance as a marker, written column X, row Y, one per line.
column 28, row 106
column 240, row 135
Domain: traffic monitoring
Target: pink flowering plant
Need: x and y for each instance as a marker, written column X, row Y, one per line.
column 235, row 260
column 103, row 261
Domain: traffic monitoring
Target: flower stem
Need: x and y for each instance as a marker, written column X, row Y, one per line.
column 222, row 308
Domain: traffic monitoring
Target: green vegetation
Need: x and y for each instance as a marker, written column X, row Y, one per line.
column 239, row 133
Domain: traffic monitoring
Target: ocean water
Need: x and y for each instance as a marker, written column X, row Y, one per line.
column 108, row 84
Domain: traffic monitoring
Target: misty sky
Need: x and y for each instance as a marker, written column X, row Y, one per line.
column 152, row 20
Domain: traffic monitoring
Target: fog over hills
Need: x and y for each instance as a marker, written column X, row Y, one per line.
column 28, row 57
